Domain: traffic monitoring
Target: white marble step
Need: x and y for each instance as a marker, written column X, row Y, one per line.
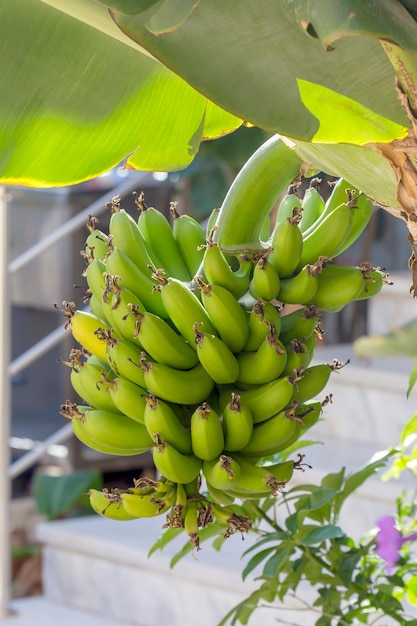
column 38, row 611
column 101, row 567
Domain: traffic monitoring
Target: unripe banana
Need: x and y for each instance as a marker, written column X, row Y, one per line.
column 82, row 431
column 136, row 281
column 299, row 324
column 222, row 473
column 128, row 397
column 309, row 413
column 265, row 282
column 314, row 379
column 87, row 379
column 342, row 193
column 298, row 357
column 149, row 505
column 337, row 286
column 191, row 524
column 258, row 480
column 264, row 365
column 286, row 207
column 219, row 496
column 117, row 303
column 83, row 326
column 124, row 357
column 273, row 435
column 268, row 399
column 237, row 424
column 361, row 216
column 96, row 307
column 190, row 238
column 207, row 437
column 218, row 271
column 374, row 280
column 115, row 429
column 300, row 288
column 184, row 307
column 211, row 221
column 94, row 274
column 179, row 386
column 235, row 522
column 127, row 237
column 326, row 238
column 216, row 357
column 108, row 504
column 157, row 233
column 286, row 246
column 97, row 242
column 179, row 468
column 261, row 313
column 162, row 343
column 226, row 313
column 313, row 205
column 160, row 418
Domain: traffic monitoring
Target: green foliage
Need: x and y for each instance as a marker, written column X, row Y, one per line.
column 59, row 496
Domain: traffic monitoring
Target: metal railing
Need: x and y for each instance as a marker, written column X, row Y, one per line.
column 8, row 369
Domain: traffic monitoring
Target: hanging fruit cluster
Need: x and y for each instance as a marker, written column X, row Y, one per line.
column 190, row 353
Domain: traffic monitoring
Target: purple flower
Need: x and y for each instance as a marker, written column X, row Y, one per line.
column 389, row 541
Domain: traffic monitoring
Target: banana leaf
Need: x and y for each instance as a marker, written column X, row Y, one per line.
column 92, row 84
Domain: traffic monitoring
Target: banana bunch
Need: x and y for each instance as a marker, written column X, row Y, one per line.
column 191, row 354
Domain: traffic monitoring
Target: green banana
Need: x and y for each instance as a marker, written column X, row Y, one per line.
column 184, row 307
column 298, row 357
column 207, row 437
column 270, row 398
column 124, row 357
column 337, row 286
column 264, row 365
column 128, row 397
column 309, row 413
column 179, row 386
column 211, row 221
column 96, row 307
column 94, row 274
column 314, row 379
column 162, row 342
column 149, row 505
column 299, row 324
column 157, row 233
column 273, row 435
column 259, row 184
column 217, row 270
column 237, row 424
column 342, row 193
column 117, row 303
column 226, row 313
column 219, row 496
column 160, row 418
column 180, row 468
column 136, row 281
column 190, row 238
column 361, row 216
column 84, row 326
column 108, row 504
column 286, row 246
column 97, row 242
column 288, row 203
column 374, row 280
column 82, row 431
column 216, row 357
column 191, row 525
column 127, row 238
column 300, row 288
column 114, row 429
column 87, row 379
column 313, row 205
column 267, row 479
column 261, row 313
column 328, row 235
column 265, row 282
column 222, row 473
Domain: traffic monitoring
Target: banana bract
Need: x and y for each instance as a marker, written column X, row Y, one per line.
column 197, row 346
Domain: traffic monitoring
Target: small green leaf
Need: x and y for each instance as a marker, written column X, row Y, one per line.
column 322, row 533
column 277, row 561
column 56, row 496
column 255, row 561
column 412, row 380
column 206, row 533
column 164, row 539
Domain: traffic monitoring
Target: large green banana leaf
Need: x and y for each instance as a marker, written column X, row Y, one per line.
column 87, row 84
